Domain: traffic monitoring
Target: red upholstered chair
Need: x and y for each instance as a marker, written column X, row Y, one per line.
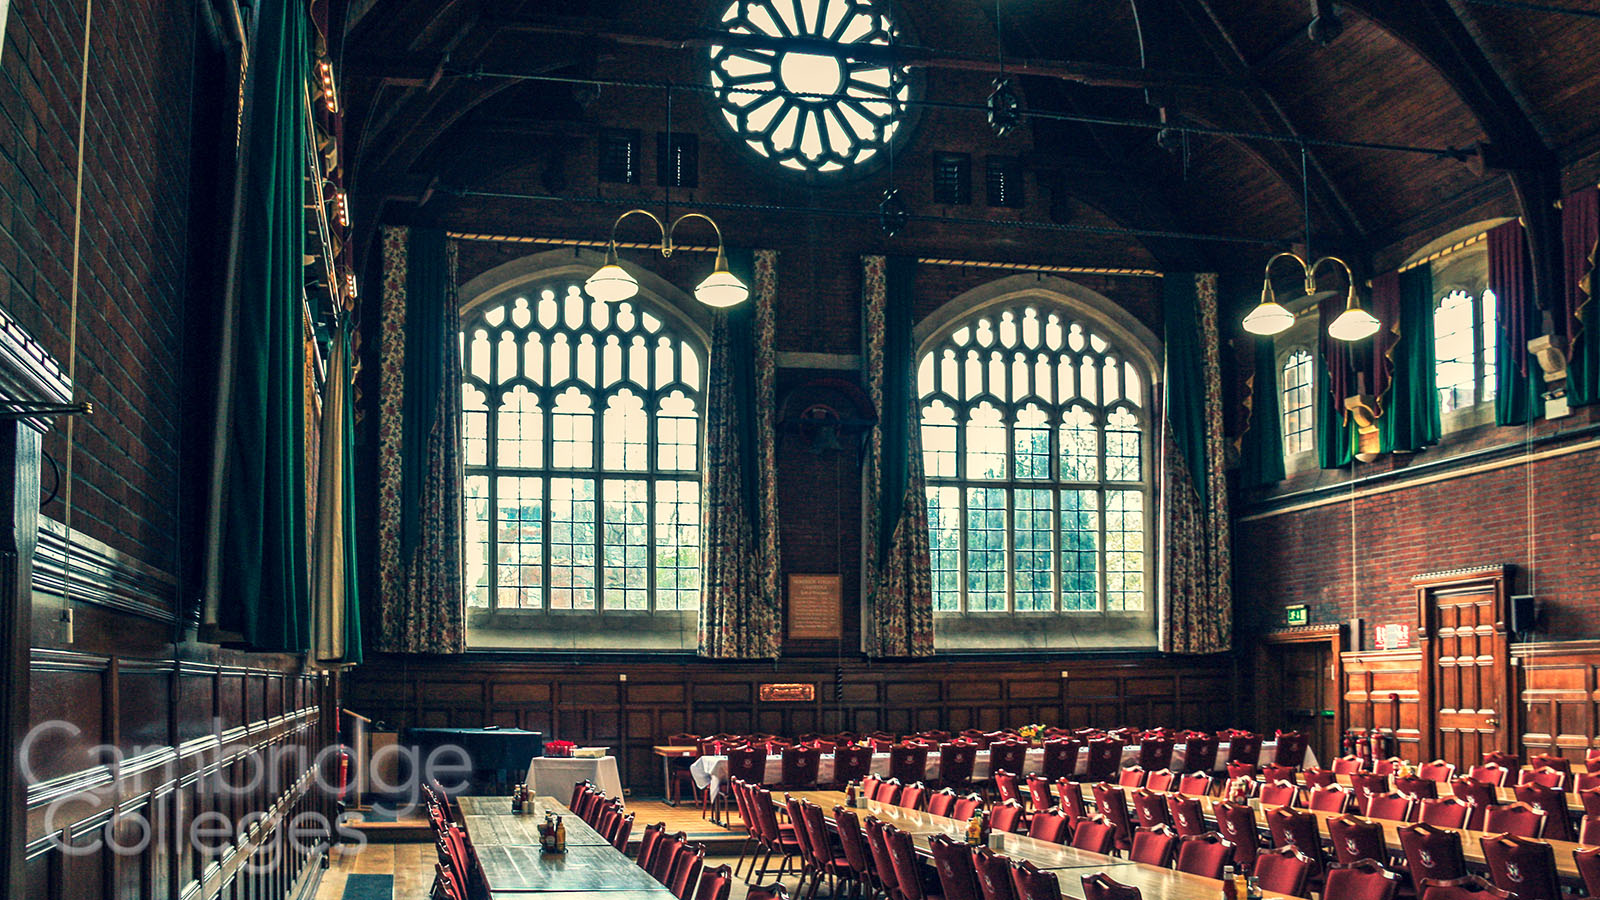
column 966, row 806
column 1432, row 853
column 851, row 764
column 1161, row 780
column 1284, row 871
column 1416, row 787
column 774, row 891
column 686, row 869
column 912, row 796
column 1297, row 829
column 1199, row 753
column 870, row 785
column 1277, row 772
column 1006, row 786
column 1467, row 887
column 1476, row 794
column 1548, row 761
column 1438, row 770
column 853, row 844
column 1100, row 886
column 1365, row 784
column 1588, row 862
column 1590, row 798
column 1151, row 808
column 1052, row 825
column 1526, row 868
column 1186, row 815
column 908, row 763
column 942, row 803
column 1589, row 831
column 1031, row 884
column 1197, row 784
column 1333, row 798
column 666, row 856
column 1585, row 781
column 955, row 765
column 1245, row 747
column 1154, row 848
column 1238, row 770
column 1203, row 854
column 1039, row 797
column 1010, row 755
column 749, row 763
column 1365, row 879
column 1391, row 806
column 1291, row 749
column 1237, row 822
column 975, row 737
column 1006, row 816
column 1518, row 819
column 578, row 790
column 1503, row 759
column 777, row 838
column 620, row 832
column 1553, row 804
column 1444, row 812
column 882, row 862
column 1591, row 760
column 1279, row 793
column 1094, row 835
column 715, row 884
column 648, row 841
column 1491, row 774
column 889, row 792
column 1130, row 777
column 1069, row 799
column 1546, row 776
column 1061, row 758
column 952, row 862
column 1105, row 755
column 1356, row 839
column 800, row 765
column 1112, row 803
column 907, row 869
column 1316, row 778
column 1387, row 766
column 994, row 875
column 1349, row 765
column 1155, row 752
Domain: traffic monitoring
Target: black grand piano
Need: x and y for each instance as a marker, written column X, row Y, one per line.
column 497, row 755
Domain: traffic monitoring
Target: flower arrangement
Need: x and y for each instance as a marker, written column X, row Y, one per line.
column 1031, row 732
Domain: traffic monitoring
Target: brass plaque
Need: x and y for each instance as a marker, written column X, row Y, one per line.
column 788, row 693
column 814, row 607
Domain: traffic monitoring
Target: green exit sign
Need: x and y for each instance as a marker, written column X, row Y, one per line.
column 1296, row 615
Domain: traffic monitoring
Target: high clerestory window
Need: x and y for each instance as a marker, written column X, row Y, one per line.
column 1035, row 434
column 582, row 442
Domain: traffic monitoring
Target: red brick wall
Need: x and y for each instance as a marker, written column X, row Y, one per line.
column 1475, row 519
column 132, row 270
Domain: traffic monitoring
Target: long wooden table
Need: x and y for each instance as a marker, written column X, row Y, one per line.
column 1068, row 864
column 514, row 865
column 668, row 753
column 1502, row 794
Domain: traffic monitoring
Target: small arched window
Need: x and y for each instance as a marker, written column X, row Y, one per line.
column 1035, row 433
column 1464, row 348
column 581, row 434
column 1297, row 391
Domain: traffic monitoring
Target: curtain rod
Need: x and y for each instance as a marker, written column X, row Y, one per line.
column 694, row 248
column 1451, row 250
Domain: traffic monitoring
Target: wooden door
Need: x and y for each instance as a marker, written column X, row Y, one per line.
column 1463, row 636
column 1299, row 688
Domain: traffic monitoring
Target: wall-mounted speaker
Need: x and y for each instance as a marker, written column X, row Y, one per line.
column 1524, row 615
column 1357, row 635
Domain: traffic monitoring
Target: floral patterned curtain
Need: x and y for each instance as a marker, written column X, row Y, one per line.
column 896, row 573
column 420, row 586
column 740, row 613
column 1196, row 562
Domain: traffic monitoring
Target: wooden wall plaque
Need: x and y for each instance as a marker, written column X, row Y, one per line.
column 787, row 693
column 814, row 607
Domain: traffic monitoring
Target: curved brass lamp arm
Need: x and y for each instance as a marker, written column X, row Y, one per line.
column 666, row 246
column 611, row 251
column 1349, row 275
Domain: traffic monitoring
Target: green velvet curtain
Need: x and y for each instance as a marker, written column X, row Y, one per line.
column 1261, row 450
column 1519, row 381
column 740, row 617
column 258, row 586
column 1196, row 559
column 336, row 607
column 897, row 572
column 1410, row 419
column 429, row 326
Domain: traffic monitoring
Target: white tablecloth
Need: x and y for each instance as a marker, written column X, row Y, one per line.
column 552, row 776
column 712, row 771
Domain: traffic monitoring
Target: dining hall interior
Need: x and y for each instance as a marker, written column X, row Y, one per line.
column 796, row 449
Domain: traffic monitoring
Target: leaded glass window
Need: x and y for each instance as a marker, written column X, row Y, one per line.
column 1035, row 436
column 1463, row 349
column 1295, row 395
column 581, row 435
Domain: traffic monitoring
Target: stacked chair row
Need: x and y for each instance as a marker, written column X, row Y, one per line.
column 456, row 874
column 604, row 814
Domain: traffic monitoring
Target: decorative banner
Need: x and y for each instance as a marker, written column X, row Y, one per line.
column 815, row 602
column 787, row 693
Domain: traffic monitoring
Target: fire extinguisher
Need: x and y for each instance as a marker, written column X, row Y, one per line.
column 344, row 772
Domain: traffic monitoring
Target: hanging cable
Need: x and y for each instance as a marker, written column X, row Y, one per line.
column 72, row 314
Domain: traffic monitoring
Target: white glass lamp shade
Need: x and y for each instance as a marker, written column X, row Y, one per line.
column 721, row 289
column 1353, row 324
column 611, row 283
column 1268, row 318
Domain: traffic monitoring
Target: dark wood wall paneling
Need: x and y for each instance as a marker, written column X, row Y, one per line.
column 1560, row 693
column 1383, row 689
column 591, row 704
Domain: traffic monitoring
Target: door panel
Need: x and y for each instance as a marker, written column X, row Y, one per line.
column 1463, row 616
column 1299, row 692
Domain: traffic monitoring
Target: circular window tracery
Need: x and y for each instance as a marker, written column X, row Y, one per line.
column 813, row 112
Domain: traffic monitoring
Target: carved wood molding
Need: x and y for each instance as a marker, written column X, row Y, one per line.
column 1590, row 647
column 101, row 575
column 1302, row 633
column 28, row 372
